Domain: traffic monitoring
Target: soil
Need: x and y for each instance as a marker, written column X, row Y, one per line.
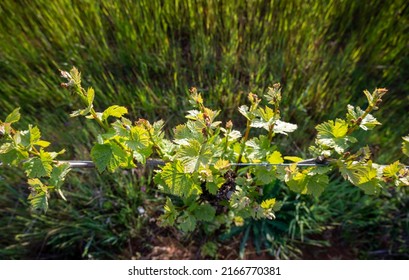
column 169, row 244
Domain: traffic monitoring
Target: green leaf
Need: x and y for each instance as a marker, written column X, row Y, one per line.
column 76, row 76
column 222, row 164
column 405, row 145
column 170, row 215
column 316, row 184
column 58, row 176
column 306, row 182
column 8, row 155
column 35, row 134
column 39, row 166
column 367, row 123
column 109, row 156
column 38, row 197
column 264, row 175
column 141, row 137
column 213, row 187
column 90, row 96
column 334, row 135
column 114, row 111
column 362, row 175
column 268, row 203
column 369, row 97
column 187, row 222
column 39, row 201
column 395, row 172
column 392, row 170
column 194, row 155
column 275, row 158
column 266, row 118
column 13, row 116
column 32, row 136
column 185, row 132
column 273, row 95
column 176, row 181
column 257, row 149
column 205, row 212
column 293, row 159
column 209, row 249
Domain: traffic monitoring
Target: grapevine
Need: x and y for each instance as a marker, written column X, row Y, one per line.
column 210, row 172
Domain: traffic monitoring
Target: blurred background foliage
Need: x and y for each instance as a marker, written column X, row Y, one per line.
column 146, row 54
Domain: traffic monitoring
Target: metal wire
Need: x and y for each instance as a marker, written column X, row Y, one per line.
column 157, row 162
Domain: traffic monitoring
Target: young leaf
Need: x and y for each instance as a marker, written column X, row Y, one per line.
column 13, row 116
column 38, row 197
column 109, row 156
column 284, row 127
column 176, row 181
column 221, row 164
column 305, row 183
column 58, row 176
column 405, row 145
column 293, row 159
column 90, row 96
column 244, row 110
column 170, row 215
column 367, row 123
column 39, row 201
column 273, row 95
column 9, row 154
column 266, row 118
column 114, row 111
column 392, row 170
column 334, row 135
column 275, row 158
column 194, row 155
column 268, row 203
column 364, row 176
column 39, row 166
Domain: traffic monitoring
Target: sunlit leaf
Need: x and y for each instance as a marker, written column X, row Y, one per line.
column 334, row 135
column 109, row 156
column 39, row 166
column 114, row 111
column 176, row 181
column 268, row 203
column 284, row 127
column 405, row 145
column 13, row 116
column 367, row 123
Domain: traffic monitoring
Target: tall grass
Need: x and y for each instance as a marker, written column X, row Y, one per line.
column 146, row 54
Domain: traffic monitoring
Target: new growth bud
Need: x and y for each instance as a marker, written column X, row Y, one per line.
column 382, row 90
column 65, row 75
column 276, row 86
column 193, row 90
column 229, row 125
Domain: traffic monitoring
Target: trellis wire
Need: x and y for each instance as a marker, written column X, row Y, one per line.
column 157, row 162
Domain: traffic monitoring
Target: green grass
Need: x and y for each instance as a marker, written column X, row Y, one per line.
column 146, row 54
